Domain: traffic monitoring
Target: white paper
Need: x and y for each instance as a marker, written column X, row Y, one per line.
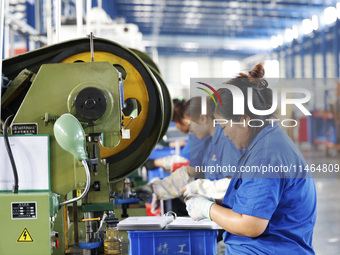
column 188, row 223
column 31, row 155
column 144, row 223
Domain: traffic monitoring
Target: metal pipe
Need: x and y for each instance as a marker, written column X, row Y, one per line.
column 101, row 223
column 75, row 219
column 88, row 182
column 91, row 47
column 89, row 231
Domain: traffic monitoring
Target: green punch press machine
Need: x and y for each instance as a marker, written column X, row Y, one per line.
column 77, row 117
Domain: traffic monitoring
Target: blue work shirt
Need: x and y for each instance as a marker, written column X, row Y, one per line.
column 194, row 149
column 220, row 154
column 287, row 200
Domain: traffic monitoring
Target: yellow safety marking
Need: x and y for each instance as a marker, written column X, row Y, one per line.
column 25, row 237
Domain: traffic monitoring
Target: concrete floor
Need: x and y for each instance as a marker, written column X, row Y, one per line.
column 326, row 239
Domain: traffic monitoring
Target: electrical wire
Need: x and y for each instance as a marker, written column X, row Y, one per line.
column 88, row 182
column 10, row 155
column 101, row 222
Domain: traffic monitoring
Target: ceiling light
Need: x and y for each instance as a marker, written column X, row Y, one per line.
column 233, row 4
column 307, row 26
column 295, row 31
column 273, row 41
column 315, row 22
column 280, row 40
column 330, row 15
column 289, row 35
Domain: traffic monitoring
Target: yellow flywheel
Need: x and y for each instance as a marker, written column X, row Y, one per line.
column 141, row 86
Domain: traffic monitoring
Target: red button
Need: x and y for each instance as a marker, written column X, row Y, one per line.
column 57, row 243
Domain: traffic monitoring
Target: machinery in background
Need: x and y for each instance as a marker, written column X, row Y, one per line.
column 124, row 108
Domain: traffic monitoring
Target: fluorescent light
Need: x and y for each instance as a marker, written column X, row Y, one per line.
column 295, row 31
column 273, row 41
column 289, row 35
column 307, row 26
column 315, row 22
column 330, row 15
column 279, row 40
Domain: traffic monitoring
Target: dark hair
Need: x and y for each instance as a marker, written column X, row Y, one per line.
column 179, row 106
column 193, row 108
column 261, row 95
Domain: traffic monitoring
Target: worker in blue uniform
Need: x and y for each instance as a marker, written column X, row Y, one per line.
column 262, row 212
column 218, row 154
column 191, row 149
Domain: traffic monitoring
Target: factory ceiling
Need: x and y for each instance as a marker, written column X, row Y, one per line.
column 215, row 27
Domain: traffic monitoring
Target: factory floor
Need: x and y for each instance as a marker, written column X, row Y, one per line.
column 326, row 240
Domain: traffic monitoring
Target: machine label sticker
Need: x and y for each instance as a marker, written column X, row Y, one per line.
column 25, row 237
column 25, row 129
column 24, row 210
column 126, row 133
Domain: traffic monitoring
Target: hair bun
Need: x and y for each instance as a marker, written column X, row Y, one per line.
column 257, row 72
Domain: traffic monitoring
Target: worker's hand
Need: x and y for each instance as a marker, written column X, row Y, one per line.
column 191, row 188
column 198, row 207
column 167, row 162
column 215, row 189
column 170, row 187
column 144, row 193
column 150, row 164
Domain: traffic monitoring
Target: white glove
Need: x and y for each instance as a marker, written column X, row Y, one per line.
column 170, row 160
column 198, row 207
column 171, row 186
column 215, row 189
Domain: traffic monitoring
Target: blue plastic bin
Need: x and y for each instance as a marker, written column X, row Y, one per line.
column 168, row 242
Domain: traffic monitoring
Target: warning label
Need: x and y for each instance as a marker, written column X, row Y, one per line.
column 25, row 237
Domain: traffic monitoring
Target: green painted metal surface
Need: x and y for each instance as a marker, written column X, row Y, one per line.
column 53, row 92
column 39, row 228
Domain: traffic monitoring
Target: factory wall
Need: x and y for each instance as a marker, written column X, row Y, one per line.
column 205, row 67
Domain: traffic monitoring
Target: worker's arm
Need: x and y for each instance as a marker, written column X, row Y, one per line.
column 200, row 207
column 238, row 224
